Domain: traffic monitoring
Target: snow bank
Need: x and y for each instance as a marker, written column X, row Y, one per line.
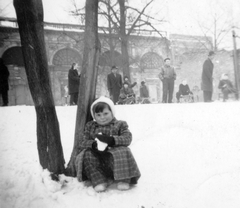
column 188, row 155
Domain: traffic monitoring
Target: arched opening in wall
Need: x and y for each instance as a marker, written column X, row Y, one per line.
column 151, row 60
column 66, row 56
column 19, row 93
column 13, row 56
column 110, row 59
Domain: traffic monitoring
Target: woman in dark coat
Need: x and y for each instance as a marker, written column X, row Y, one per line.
column 207, row 78
column 4, row 87
column 73, row 84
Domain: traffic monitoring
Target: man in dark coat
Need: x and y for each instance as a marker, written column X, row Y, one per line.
column 4, row 75
column 167, row 75
column 114, row 84
column 207, row 78
column 73, row 84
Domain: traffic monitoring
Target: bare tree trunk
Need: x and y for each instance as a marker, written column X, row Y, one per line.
column 88, row 79
column 30, row 22
column 112, row 54
column 215, row 34
column 124, row 39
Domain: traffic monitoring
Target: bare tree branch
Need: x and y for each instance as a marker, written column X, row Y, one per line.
column 139, row 16
column 144, row 15
column 112, row 10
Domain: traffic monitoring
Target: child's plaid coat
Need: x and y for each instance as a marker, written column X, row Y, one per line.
column 125, row 166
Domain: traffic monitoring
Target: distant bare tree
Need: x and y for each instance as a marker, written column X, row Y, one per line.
column 122, row 21
column 216, row 24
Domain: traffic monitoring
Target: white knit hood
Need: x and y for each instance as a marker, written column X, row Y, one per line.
column 106, row 100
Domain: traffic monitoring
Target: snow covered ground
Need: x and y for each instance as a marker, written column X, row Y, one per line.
column 188, row 155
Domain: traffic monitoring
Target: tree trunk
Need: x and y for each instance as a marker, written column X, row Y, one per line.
column 88, row 78
column 112, row 54
column 30, row 22
column 124, row 39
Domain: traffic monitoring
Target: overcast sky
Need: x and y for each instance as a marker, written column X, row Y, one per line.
column 183, row 16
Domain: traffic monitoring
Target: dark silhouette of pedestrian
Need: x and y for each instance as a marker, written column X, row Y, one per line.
column 207, row 78
column 73, row 83
column 4, row 87
column 144, row 93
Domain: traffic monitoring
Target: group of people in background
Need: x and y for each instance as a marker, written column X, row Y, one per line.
column 168, row 76
column 225, row 85
column 121, row 92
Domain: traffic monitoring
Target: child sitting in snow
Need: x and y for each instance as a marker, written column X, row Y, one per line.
column 183, row 91
column 105, row 156
column 226, row 86
column 127, row 95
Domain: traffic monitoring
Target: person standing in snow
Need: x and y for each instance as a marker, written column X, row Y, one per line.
column 167, row 75
column 143, row 90
column 207, row 78
column 4, row 87
column 144, row 94
column 73, row 83
column 104, row 154
column 114, row 84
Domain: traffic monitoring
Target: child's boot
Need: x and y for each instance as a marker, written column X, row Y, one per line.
column 123, row 186
column 100, row 187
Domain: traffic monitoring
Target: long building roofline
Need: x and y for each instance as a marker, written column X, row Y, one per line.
column 12, row 23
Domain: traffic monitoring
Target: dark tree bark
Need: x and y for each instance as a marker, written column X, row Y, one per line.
column 30, row 22
column 88, row 80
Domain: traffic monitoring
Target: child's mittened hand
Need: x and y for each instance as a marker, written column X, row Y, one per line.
column 101, row 146
column 106, row 139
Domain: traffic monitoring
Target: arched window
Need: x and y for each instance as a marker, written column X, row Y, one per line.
column 108, row 59
column 151, row 60
column 67, row 56
column 13, row 56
